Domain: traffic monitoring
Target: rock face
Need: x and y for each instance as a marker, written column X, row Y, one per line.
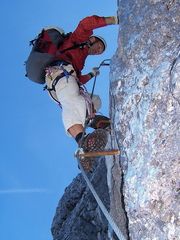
column 145, row 90
column 143, row 182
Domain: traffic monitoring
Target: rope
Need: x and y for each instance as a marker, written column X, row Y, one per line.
column 101, row 205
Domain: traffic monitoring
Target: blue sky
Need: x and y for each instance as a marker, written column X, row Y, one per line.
column 36, row 157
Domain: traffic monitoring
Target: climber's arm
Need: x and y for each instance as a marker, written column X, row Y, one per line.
column 86, row 26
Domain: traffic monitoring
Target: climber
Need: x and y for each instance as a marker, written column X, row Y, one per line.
column 66, row 71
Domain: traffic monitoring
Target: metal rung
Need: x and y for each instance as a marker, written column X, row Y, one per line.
column 82, row 154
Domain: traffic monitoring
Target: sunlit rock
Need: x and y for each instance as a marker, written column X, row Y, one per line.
column 144, row 93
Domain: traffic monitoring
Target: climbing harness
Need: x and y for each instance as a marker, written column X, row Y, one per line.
column 110, row 220
column 55, row 66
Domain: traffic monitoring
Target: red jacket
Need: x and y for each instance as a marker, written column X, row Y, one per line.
column 82, row 33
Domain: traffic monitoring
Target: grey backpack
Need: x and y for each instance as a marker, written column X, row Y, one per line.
column 44, row 50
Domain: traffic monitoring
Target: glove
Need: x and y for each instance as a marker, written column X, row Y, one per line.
column 116, row 19
column 112, row 20
column 95, row 71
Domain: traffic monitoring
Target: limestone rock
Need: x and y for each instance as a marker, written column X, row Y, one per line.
column 145, row 90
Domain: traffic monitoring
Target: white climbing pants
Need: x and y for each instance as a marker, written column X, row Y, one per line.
column 68, row 94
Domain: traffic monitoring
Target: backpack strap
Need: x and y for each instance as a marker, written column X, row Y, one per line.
column 77, row 45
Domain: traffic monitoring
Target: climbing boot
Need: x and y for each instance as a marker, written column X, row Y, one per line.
column 93, row 142
column 100, row 121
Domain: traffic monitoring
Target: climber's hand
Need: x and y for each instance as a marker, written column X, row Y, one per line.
column 112, row 20
column 116, row 20
column 95, row 71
